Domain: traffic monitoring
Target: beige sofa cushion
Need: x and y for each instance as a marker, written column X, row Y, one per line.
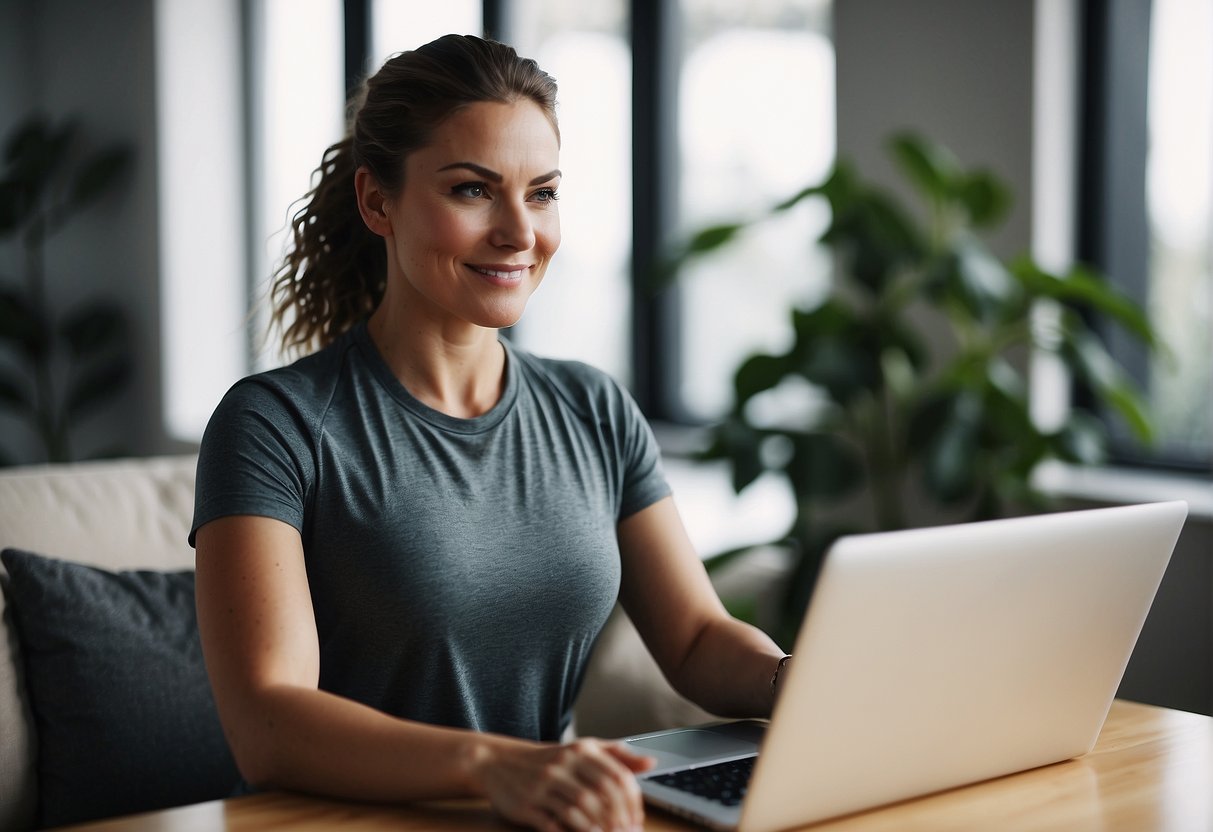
column 117, row 515
column 124, row 514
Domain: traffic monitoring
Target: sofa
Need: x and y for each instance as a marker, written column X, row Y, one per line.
column 104, row 706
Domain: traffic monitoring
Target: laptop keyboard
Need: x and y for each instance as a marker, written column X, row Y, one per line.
column 722, row 782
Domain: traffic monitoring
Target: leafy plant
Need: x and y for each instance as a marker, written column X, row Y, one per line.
column 62, row 365
column 916, row 362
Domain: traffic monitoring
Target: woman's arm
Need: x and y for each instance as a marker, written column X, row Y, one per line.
column 262, row 654
column 722, row 664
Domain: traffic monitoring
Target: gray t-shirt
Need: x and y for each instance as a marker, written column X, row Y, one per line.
column 460, row 569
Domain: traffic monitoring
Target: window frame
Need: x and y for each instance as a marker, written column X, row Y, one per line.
column 1112, row 223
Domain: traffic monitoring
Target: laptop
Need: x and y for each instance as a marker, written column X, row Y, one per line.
column 929, row 659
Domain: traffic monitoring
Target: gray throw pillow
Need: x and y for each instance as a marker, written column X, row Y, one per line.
column 124, row 717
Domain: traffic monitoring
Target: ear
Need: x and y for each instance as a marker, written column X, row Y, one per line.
column 372, row 203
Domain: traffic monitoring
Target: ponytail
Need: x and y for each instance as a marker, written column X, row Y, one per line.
column 333, row 274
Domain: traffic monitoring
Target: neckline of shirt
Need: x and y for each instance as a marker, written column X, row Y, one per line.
column 476, row 424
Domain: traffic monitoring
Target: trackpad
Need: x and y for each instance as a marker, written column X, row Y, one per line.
column 694, row 744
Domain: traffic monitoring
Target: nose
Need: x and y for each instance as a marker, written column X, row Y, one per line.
column 512, row 226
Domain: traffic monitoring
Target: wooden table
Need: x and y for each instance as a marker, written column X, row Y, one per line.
column 1152, row 769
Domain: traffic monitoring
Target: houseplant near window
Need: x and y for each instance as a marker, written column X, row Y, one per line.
column 61, row 364
column 910, row 376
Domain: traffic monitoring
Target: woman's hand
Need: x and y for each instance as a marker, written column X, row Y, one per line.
column 585, row 785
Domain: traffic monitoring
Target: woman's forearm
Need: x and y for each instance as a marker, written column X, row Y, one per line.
column 309, row 740
column 728, row 669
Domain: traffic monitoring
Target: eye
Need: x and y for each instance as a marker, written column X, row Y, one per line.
column 546, row 195
column 472, row 190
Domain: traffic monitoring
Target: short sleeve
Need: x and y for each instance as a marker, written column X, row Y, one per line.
column 644, row 481
column 256, row 457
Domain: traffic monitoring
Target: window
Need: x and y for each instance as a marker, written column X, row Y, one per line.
column 201, row 202
column 397, row 25
column 747, row 141
column 583, row 306
column 298, row 101
column 1148, row 187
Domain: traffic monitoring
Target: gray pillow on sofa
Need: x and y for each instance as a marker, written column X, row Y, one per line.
column 124, row 716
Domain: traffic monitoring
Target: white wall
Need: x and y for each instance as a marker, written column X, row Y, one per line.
column 958, row 71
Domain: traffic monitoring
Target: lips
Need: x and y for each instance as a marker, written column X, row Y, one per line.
column 498, row 272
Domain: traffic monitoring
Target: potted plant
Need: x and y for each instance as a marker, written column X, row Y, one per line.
column 62, row 364
column 917, row 361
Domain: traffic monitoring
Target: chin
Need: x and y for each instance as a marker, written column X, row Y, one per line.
column 501, row 317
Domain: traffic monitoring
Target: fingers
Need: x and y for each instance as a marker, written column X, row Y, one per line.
column 607, row 782
column 636, row 763
column 584, row 786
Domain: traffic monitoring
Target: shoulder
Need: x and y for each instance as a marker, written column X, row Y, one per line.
column 582, row 386
column 299, row 393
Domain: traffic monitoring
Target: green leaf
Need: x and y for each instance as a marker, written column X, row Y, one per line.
column 1084, row 287
column 798, row 197
column 841, row 188
column 878, row 238
column 932, row 168
column 93, row 328
column 873, row 237
column 98, row 384
column 1087, row 357
column 1004, row 380
column 823, row 467
column 100, row 173
column 951, row 459
column 987, row 289
column 758, row 373
column 1008, row 425
column 1083, row 439
column 740, row 444
column 712, row 237
column 926, row 419
column 701, row 242
column 836, row 350
column 985, row 197
column 1125, row 400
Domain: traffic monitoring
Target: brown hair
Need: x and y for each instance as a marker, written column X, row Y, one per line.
column 334, row 270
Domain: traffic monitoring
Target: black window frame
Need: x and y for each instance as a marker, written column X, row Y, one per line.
column 1112, row 223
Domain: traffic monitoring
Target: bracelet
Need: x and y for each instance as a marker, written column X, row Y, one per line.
column 775, row 676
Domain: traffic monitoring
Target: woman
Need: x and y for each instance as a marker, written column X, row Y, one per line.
column 408, row 541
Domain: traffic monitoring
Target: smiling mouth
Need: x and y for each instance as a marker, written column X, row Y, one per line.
column 502, row 274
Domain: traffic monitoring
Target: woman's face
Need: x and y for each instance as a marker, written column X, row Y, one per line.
column 476, row 224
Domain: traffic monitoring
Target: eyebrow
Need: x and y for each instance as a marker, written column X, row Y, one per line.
column 494, row 176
